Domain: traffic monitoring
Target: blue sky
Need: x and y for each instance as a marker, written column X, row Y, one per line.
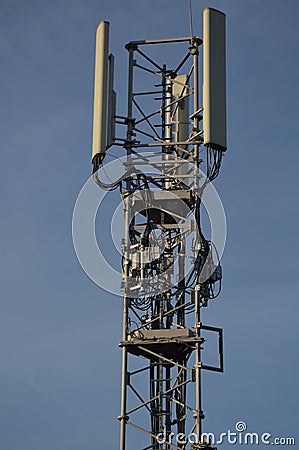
column 59, row 360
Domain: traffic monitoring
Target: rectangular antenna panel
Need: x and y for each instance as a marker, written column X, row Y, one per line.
column 111, row 103
column 181, row 116
column 214, row 79
column 99, row 135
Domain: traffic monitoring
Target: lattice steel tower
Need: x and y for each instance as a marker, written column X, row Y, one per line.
column 172, row 147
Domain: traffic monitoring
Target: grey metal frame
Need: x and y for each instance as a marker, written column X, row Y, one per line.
column 168, row 376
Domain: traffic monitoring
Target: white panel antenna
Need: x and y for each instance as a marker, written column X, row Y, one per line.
column 111, row 104
column 181, row 116
column 214, row 79
column 100, row 107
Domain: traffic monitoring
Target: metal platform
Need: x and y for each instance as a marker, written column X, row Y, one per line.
column 162, row 207
column 172, row 345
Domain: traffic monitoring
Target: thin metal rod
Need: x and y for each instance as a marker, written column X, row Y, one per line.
column 158, row 111
column 135, row 372
column 150, row 434
column 139, row 66
column 164, row 358
column 177, row 378
column 141, row 405
column 136, row 408
column 190, row 17
column 150, row 144
column 198, row 415
column 139, row 396
column 146, row 118
column 221, row 363
column 124, row 384
column 163, row 41
column 145, row 133
column 147, row 93
column 185, row 59
column 211, row 368
column 124, row 377
column 182, row 404
column 149, row 59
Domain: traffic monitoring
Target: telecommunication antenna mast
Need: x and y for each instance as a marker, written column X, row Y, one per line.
column 168, row 138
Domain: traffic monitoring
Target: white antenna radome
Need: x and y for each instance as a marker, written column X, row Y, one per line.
column 99, row 136
column 214, row 79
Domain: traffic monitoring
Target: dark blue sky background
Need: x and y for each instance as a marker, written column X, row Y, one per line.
column 59, row 361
